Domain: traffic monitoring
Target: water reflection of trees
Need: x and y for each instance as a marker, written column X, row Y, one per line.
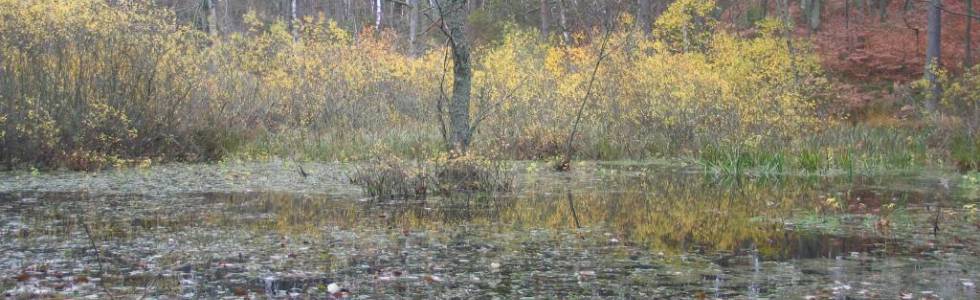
column 669, row 213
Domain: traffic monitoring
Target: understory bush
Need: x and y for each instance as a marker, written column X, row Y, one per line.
column 961, row 100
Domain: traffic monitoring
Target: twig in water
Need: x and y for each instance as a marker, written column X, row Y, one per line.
column 302, row 172
column 98, row 258
column 571, row 204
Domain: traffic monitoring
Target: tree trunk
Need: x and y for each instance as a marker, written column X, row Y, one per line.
column 968, row 52
column 377, row 15
column 643, row 10
column 350, row 14
column 815, row 17
column 226, row 24
column 210, row 20
column 347, row 10
column 544, row 10
column 934, row 53
column 563, row 21
column 293, row 20
column 785, row 16
column 453, row 13
column 391, row 15
column 883, row 9
column 811, row 13
column 847, row 17
column 413, row 26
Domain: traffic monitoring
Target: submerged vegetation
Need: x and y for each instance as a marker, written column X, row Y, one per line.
column 88, row 85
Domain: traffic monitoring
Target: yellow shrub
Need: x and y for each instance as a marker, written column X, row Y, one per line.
column 737, row 91
column 686, row 25
column 125, row 81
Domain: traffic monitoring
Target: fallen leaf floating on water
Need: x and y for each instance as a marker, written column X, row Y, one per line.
column 337, row 292
column 432, row 279
column 239, row 291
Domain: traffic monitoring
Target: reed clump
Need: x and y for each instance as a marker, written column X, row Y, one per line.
column 394, row 178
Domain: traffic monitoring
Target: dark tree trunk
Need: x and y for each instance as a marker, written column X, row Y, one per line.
column 453, row 13
column 934, row 52
column 847, row 23
column 643, row 13
column 968, row 52
column 413, row 25
column 811, row 9
column 883, row 9
column 545, row 10
column 209, row 21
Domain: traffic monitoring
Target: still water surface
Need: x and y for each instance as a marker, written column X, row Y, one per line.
column 608, row 232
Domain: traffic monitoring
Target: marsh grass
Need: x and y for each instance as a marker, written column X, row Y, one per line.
column 848, row 150
column 472, row 174
column 965, row 152
column 389, row 178
column 393, row 178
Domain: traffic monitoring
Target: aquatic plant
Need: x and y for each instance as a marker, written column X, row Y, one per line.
column 391, row 177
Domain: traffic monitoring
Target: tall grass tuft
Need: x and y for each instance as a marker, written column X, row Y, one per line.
column 394, row 178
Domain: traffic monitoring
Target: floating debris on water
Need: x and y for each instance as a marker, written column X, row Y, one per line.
column 640, row 234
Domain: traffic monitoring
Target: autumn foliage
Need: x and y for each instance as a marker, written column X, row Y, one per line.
column 87, row 85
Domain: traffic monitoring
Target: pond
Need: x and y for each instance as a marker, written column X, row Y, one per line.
column 602, row 231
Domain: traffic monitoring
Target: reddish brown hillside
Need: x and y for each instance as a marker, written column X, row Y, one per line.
column 870, row 47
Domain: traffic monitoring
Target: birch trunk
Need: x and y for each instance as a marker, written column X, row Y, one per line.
column 377, row 14
column 293, row 20
column 563, row 21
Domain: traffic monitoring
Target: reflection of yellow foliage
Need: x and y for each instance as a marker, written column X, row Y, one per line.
column 668, row 215
column 663, row 220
